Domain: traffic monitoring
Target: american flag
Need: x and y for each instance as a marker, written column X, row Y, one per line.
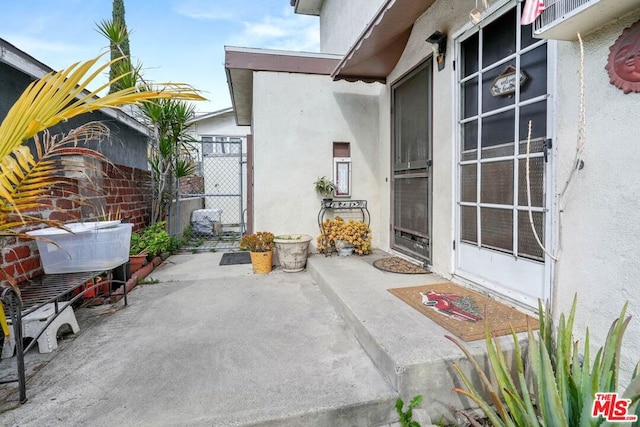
column 531, row 10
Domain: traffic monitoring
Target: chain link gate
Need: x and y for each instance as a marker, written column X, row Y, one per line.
column 218, row 221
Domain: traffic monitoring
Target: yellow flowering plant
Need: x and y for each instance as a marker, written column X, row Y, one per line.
column 353, row 232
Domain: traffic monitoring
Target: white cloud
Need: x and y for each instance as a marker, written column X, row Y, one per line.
column 33, row 45
column 287, row 32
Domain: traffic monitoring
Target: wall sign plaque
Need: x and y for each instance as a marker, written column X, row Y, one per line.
column 623, row 63
column 505, row 83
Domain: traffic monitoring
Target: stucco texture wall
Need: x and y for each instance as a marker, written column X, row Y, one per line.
column 342, row 22
column 297, row 118
column 599, row 225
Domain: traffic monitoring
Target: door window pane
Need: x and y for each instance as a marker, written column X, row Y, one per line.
column 412, row 121
column 470, row 55
column 470, row 98
column 469, row 224
column 498, row 129
column 497, row 182
column 499, row 39
column 469, row 183
column 527, row 245
column 534, row 66
column 496, row 229
column 537, row 114
column 536, row 177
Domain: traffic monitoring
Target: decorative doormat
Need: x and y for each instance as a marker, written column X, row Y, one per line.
column 398, row 265
column 231, row 258
column 463, row 312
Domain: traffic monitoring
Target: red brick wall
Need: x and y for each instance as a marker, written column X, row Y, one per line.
column 126, row 191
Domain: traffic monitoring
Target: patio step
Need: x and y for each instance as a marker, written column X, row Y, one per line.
column 408, row 348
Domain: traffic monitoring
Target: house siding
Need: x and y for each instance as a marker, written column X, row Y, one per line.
column 599, row 258
column 341, row 22
column 297, row 118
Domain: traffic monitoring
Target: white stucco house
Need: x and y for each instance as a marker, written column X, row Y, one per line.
column 432, row 105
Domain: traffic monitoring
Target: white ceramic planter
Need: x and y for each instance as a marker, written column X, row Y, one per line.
column 292, row 250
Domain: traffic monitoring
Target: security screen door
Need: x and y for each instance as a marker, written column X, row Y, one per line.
column 502, row 85
column 411, row 158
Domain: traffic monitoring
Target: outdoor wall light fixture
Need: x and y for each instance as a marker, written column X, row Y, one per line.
column 440, row 40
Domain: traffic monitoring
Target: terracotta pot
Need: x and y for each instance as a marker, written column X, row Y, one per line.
column 136, row 262
column 261, row 262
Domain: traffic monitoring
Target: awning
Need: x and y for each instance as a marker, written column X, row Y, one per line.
column 241, row 63
column 377, row 51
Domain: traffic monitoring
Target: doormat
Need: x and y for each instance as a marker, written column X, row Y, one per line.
column 231, row 258
column 463, row 312
column 398, row 265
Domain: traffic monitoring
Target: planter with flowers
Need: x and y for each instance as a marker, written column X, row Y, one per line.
column 260, row 246
column 340, row 236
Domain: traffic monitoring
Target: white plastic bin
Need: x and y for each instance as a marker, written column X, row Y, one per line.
column 92, row 246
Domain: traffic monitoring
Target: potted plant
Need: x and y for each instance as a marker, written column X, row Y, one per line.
column 292, row 251
column 345, row 237
column 324, row 187
column 260, row 246
column 147, row 244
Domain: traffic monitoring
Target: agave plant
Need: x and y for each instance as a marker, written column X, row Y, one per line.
column 563, row 384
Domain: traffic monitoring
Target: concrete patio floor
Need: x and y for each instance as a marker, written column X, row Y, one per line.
column 219, row 346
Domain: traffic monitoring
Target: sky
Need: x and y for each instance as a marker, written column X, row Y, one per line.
column 174, row 40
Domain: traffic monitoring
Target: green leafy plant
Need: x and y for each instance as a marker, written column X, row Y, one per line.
column 152, row 240
column 563, row 379
column 262, row 241
column 406, row 418
column 324, row 187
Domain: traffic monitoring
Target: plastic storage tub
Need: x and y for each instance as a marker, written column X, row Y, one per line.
column 93, row 246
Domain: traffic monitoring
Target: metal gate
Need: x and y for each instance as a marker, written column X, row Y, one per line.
column 216, row 221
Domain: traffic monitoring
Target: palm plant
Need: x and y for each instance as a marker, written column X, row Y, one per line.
column 26, row 177
column 169, row 156
column 563, row 382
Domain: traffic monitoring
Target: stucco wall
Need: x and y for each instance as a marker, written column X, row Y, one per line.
column 297, row 118
column 599, row 230
column 341, row 22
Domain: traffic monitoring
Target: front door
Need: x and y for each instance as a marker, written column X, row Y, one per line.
column 411, row 157
column 502, row 86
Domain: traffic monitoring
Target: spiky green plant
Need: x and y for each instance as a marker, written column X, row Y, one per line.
column 563, row 380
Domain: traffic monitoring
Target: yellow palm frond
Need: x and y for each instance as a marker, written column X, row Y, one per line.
column 26, row 182
column 60, row 96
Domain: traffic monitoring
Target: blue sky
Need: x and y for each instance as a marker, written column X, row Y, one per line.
column 175, row 40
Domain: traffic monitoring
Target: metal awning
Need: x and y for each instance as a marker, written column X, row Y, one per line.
column 377, row 51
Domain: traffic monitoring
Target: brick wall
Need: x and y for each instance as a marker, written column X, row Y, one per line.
column 126, row 191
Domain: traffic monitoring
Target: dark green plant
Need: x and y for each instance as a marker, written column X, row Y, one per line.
column 120, row 46
column 152, row 240
column 324, row 187
column 563, row 379
column 406, row 418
